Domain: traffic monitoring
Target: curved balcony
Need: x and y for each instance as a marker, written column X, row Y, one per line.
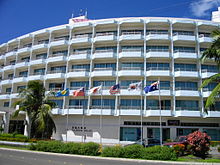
column 130, row 110
column 11, row 53
column 56, row 57
column 105, row 37
column 205, row 39
column 21, row 64
column 40, row 46
column 36, row 76
column 4, row 96
column 58, row 42
column 8, row 67
column 185, row 54
column 56, row 74
column 187, row 92
column 20, row 79
column 80, row 39
column 158, row 71
column 157, row 36
column 187, row 111
column 157, row 53
column 208, row 73
column 212, row 114
column 78, row 73
column 37, row 61
column 131, row 36
column 131, row 53
column 187, row 38
column 130, row 71
column 23, row 50
column 104, row 110
column 6, row 81
column 104, row 54
column 103, row 72
column 85, row 55
column 155, row 111
column 186, row 72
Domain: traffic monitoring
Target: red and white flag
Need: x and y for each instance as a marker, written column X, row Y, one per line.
column 79, row 92
column 114, row 89
column 135, row 86
column 95, row 90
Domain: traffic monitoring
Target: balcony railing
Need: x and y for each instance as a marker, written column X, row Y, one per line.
column 81, row 52
column 132, row 68
column 60, row 38
column 158, row 68
column 56, row 89
column 104, row 69
column 105, row 51
column 56, row 71
column 77, row 107
column 132, row 50
column 158, row 32
column 79, row 70
column 102, row 107
column 186, row 88
column 42, row 42
column 209, row 70
column 105, row 34
column 187, row 108
column 131, row 107
column 132, row 33
column 37, row 73
column 157, row 50
column 57, row 55
column 186, row 69
column 204, row 35
column 183, row 33
column 82, row 36
column 184, row 51
column 158, row 108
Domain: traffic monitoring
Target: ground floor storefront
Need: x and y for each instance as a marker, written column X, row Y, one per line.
column 115, row 129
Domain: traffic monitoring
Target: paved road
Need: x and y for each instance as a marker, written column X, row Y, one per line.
column 17, row 157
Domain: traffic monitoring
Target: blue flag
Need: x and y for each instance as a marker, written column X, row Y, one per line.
column 64, row 92
column 154, row 86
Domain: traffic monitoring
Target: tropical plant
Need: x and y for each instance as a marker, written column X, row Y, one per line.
column 199, row 142
column 35, row 103
column 213, row 52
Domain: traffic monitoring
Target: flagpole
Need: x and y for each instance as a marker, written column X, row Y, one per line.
column 161, row 131
column 141, row 116
column 83, row 119
column 101, row 117
column 67, row 122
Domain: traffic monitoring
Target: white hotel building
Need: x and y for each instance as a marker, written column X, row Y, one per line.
column 110, row 51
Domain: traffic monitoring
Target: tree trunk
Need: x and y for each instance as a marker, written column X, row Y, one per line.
column 28, row 123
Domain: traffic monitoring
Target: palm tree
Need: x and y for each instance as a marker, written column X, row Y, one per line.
column 35, row 103
column 213, row 52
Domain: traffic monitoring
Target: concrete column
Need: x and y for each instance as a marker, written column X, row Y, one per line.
column 173, row 133
column 6, row 119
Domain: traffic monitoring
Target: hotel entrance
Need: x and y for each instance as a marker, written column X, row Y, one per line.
column 155, row 133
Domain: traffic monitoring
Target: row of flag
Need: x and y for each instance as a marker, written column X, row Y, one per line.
column 113, row 89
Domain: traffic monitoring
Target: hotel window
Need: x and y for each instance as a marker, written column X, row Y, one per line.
column 157, row 48
column 181, row 85
column 8, row 90
column 185, row 67
column 131, row 48
column 189, row 105
column 40, row 71
column 23, row 74
column 106, row 103
column 41, row 56
column 209, row 87
column 131, row 32
column 148, row 32
column 180, row 32
column 132, row 66
column 59, row 103
column 154, row 104
column 107, row 66
column 56, row 86
column 184, row 49
column 80, row 103
column 12, row 62
column 215, row 107
column 82, row 51
column 79, row 84
column 158, row 66
column 43, row 41
column 164, row 85
column 60, row 53
column 19, row 88
column 81, row 67
column 10, row 76
column 25, row 59
column 210, row 68
column 58, row 69
column 6, row 104
column 106, row 49
column 106, row 33
column 131, row 104
column 105, row 84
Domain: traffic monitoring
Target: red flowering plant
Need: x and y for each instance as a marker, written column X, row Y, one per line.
column 199, row 142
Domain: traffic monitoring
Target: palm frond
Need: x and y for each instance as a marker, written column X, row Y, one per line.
column 213, row 96
column 213, row 79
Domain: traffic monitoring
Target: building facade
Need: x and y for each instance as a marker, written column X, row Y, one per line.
column 88, row 53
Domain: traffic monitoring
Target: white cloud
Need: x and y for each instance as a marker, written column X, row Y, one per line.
column 201, row 8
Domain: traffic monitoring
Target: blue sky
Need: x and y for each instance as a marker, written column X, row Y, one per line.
column 19, row 17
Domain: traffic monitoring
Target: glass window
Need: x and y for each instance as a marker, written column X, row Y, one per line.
column 158, row 48
column 40, row 71
column 59, row 103
column 82, row 50
column 106, row 84
column 134, row 65
column 25, row 59
column 107, row 103
column 129, row 32
column 79, row 84
column 56, row 86
column 155, row 31
column 105, row 65
column 60, row 52
column 154, row 104
column 78, row 102
column 184, row 49
column 131, row 103
column 8, row 90
column 185, row 67
column 81, row 67
column 106, row 49
column 158, row 66
column 58, row 69
column 23, row 74
column 6, row 104
column 41, row 56
column 191, row 105
column 209, row 87
column 181, row 85
column 10, row 76
column 132, row 48
column 20, row 87
column 180, row 32
column 210, row 68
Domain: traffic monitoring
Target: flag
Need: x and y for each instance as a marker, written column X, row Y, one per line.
column 79, row 92
column 95, row 90
column 154, row 86
column 64, row 92
column 114, row 89
column 135, row 86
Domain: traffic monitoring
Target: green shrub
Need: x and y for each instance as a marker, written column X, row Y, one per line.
column 133, row 151
column 115, row 151
column 89, row 149
column 218, row 149
column 6, row 135
column 159, row 153
column 214, row 143
column 71, row 148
